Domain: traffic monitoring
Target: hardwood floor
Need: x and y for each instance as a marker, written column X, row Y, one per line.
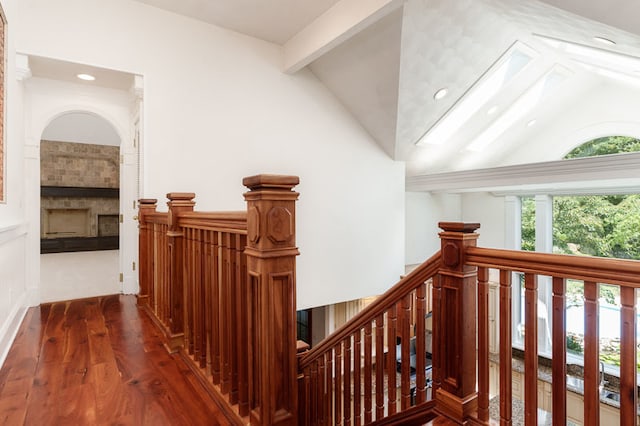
column 98, row 361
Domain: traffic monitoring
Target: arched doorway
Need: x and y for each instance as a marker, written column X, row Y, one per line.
column 79, row 207
column 48, row 98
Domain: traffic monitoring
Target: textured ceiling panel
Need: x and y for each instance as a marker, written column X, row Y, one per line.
column 363, row 73
column 444, row 44
column 623, row 14
column 453, row 43
column 386, row 75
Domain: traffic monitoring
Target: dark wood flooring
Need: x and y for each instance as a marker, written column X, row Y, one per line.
column 98, row 361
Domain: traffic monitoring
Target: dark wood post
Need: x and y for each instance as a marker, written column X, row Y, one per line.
column 145, row 249
column 271, row 253
column 456, row 398
column 179, row 202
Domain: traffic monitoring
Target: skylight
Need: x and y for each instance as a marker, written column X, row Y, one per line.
column 520, row 108
column 489, row 85
column 602, row 58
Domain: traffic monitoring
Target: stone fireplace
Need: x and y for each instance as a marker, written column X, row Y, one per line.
column 60, row 223
column 79, row 197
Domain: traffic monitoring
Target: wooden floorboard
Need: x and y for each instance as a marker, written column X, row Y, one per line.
column 98, row 361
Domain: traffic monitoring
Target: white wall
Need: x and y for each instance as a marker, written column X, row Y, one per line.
column 217, row 108
column 489, row 211
column 423, row 212
column 13, row 227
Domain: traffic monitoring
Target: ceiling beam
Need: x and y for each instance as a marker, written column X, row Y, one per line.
column 345, row 19
column 619, row 170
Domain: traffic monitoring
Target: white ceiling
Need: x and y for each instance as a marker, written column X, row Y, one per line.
column 387, row 71
column 623, row 14
column 273, row 20
column 67, row 71
column 385, row 59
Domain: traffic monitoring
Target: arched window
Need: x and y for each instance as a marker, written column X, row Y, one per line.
column 605, row 146
column 605, row 224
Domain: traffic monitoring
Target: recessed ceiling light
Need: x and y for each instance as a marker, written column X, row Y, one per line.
column 440, row 94
column 604, row 40
column 513, row 61
column 520, row 108
column 86, row 77
column 492, row 110
column 531, row 122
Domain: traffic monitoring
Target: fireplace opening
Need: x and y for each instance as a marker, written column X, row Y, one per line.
column 63, row 223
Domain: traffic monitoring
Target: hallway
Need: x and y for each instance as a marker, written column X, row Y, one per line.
column 97, row 361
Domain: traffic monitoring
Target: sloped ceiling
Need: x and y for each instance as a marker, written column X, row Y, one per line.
column 452, row 44
column 364, row 73
column 386, row 70
column 274, row 20
column 622, row 14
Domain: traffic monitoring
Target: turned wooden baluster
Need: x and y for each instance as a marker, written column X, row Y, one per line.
column 628, row 359
column 145, row 245
column 271, row 254
column 179, row 202
column 456, row 398
column 559, row 348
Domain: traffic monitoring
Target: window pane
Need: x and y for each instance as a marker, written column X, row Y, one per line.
column 528, row 224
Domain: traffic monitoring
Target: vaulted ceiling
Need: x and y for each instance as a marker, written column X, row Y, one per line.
column 504, row 64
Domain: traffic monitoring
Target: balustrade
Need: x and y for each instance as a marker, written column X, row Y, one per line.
column 380, row 382
column 221, row 288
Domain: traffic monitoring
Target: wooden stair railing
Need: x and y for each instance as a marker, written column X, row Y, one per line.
column 341, row 378
column 348, row 377
column 221, row 288
column 592, row 271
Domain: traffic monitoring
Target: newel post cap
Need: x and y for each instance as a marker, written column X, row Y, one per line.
column 266, row 181
column 147, row 201
column 465, row 228
column 181, row 196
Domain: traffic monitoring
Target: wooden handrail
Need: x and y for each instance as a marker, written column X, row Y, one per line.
column 407, row 284
column 592, row 271
column 237, row 270
column 584, row 268
column 220, row 286
column 353, row 377
column 235, row 222
column 331, row 384
column 158, row 217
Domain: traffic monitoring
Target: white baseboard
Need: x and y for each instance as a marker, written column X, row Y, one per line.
column 10, row 328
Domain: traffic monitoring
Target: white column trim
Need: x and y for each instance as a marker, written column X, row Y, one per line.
column 23, row 70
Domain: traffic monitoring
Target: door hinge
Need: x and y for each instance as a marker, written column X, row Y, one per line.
column 134, row 204
column 121, row 219
column 134, row 266
column 121, row 277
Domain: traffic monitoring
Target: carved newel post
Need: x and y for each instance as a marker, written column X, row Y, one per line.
column 271, row 253
column 145, row 249
column 179, row 202
column 455, row 334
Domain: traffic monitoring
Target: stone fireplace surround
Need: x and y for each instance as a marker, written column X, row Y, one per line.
column 79, row 197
